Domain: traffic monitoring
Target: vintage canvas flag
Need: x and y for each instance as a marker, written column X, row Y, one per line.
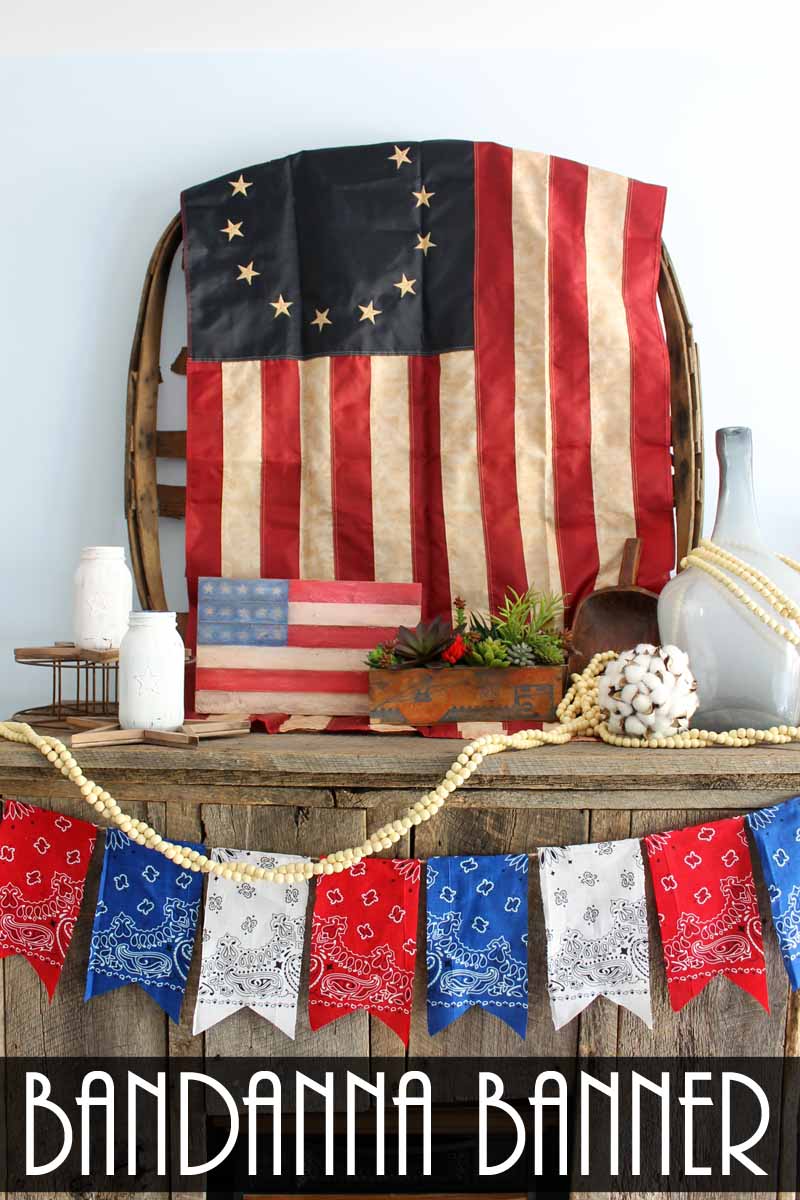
column 707, row 909
column 252, row 944
column 293, row 645
column 144, row 923
column 433, row 361
column 596, row 919
column 44, row 857
column 777, row 835
column 477, row 947
column 364, row 943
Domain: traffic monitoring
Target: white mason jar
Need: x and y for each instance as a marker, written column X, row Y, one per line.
column 151, row 669
column 103, row 598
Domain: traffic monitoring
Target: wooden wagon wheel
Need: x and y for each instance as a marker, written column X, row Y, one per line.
column 146, row 499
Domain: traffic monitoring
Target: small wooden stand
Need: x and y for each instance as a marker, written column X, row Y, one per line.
column 93, row 733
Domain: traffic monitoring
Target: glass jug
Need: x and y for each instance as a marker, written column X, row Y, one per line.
column 747, row 674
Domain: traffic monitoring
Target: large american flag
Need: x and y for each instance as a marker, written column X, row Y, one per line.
column 432, row 361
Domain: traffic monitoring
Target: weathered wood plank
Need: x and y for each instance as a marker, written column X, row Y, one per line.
column 502, row 832
column 606, row 800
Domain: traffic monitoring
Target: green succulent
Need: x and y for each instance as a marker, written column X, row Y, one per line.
column 547, row 647
column 382, row 656
column 489, row 652
column 521, row 655
column 421, row 645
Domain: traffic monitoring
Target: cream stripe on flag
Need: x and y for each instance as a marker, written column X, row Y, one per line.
column 252, row 945
column 529, row 197
column 609, row 373
column 390, row 440
column 596, row 920
column 461, row 487
column 316, row 495
column 241, row 473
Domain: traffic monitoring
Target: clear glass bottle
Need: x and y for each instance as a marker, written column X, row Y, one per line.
column 151, row 671
column 747, row 675
column 102, row 598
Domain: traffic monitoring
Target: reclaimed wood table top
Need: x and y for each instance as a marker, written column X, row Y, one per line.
column 360, row 770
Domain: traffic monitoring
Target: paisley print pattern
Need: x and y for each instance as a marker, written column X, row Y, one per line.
column 144, row 924
column 596, row 921
column 777, row 834
column 363, row 943
column 707, row 909
column 45, row 857
column 252, row 945
column 477, row 939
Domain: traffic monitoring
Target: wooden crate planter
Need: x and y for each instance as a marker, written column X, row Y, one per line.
column 434, row 695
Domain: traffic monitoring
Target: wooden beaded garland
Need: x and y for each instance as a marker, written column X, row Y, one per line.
column 579, row 714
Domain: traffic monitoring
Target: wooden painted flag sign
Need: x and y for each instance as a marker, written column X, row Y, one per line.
column 292, row 645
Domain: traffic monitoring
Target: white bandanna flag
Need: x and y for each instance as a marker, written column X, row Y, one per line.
column 596, row 919
column 252, row 945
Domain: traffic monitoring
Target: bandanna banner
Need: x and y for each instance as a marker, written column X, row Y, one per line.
column 477, row 951
column 777, row 834
column 252, row 944
column 596, row 919
column 364, row 942
column 144, row 924
column 44, row 858
column 707, row 909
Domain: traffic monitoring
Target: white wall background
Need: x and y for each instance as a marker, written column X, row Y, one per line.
column 96, row 148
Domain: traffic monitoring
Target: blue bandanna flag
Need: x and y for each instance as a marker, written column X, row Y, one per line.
column 477, row 952
column 144, row 924
column 777, row 835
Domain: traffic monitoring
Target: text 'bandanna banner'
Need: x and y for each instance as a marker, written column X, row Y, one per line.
column 596, row 920
column 252, row 944
column 477, row 938
column 44, row 857
column 707, row 909
column 777, row 834
column 144, row 924
column 364, row 943
column 439, row 361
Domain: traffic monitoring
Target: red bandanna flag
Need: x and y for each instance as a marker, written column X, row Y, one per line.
column 44, row 858
column 707, row 909
column 364, row 942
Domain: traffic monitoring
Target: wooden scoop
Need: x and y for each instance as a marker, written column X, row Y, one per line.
column 615, row 618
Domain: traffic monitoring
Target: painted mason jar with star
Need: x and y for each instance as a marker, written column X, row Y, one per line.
column 151, row 673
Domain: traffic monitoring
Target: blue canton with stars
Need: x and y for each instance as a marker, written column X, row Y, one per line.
column 243, row 612
column 144, row 923
column 777, row 835
column 477, row 951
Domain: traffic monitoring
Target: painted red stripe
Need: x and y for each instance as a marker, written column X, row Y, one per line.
column 569, row 381
column 203, row 488
column 428, row 531
column 280, row 473
column 351, row 468
column 651, row 436
column 494, row 370
column 214, row 679
column 343, row 637
column 342, row 591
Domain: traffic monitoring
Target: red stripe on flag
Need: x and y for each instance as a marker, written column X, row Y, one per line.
column 204, row 470
column 428, row 532
column 351, row 468
column 494, row 370
column 280, row 470
column 651, row 436
column 352, row 591
column 344, row 637
column 569, row 381
column 214, row 679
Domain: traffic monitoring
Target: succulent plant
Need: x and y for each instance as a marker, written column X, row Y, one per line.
column 521, row 655
column 489, row 652
column 547, row 647
column 382, row 656
column 418, row 646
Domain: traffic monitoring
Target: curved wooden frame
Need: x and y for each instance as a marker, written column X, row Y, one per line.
column 146, row 500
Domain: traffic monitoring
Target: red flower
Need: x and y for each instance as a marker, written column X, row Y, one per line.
column 455, row 650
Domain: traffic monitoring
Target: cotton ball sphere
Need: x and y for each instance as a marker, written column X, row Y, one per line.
column 648, row 692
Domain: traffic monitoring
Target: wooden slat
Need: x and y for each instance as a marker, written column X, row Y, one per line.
column 171, row 502
column 171, row 443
